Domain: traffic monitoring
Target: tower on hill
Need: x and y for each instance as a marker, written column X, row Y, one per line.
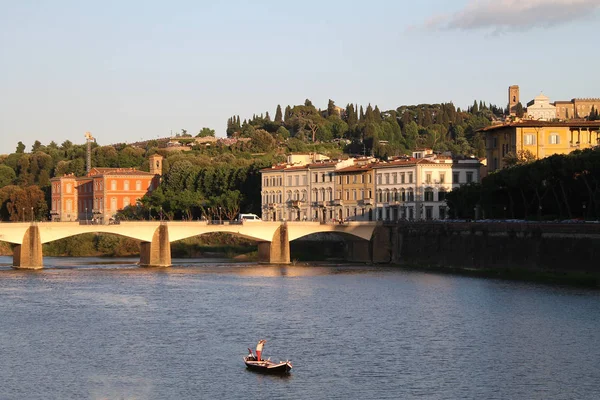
column 513, row 99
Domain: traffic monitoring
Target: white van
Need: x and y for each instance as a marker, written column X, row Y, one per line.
column 249, row 218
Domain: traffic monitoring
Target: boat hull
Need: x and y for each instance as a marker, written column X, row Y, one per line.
column 269, row 367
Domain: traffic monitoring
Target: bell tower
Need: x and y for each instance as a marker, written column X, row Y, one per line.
column 156, row 164
column 513, row 99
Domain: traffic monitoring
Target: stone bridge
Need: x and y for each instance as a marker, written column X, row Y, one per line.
column 155, row 237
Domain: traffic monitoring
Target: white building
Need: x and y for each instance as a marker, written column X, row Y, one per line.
column 540, row 109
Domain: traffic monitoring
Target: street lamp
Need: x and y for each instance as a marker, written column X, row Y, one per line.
column 583, row 206
column 161, row 214
column 220, row 219
column 86, row 216
column 31, row 214
column 504, row 212
column 23, row 214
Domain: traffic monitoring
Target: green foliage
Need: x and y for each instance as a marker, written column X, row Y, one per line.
column 556, row 187
column 7, row 175
column 205, row 132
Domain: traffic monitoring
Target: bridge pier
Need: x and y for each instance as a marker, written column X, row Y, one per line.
column 276, row 251
column 28, row 255
column 158, row 252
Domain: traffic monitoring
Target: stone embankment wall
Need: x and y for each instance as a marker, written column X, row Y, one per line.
column 487, row 245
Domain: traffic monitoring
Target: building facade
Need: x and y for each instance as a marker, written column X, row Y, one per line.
column 103, row 192
column 365, row 190
column 541, row 139
column 541, row 109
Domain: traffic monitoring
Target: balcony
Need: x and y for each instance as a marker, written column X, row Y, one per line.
column 337, row 202
column 272, row 206
column 321, row 203
column 297, row 203
column 367, row 202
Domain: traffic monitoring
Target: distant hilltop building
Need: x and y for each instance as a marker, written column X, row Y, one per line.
column 541, row 109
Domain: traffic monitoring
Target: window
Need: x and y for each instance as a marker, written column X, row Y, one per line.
column 455, row 177
column 113, row 204
column 126, row 202
column 347, row 179
column 379, row 179
column 69, row 188
column 554, row 138
column 369, row 179
column 289, row 181
column 469, row 177
column 304, row 180
column 362, row 179
column 442, row 177
column 316, row 177
column 126, row 185
column 387, row 179
column 138, row 185
column 354, row 177
column 296, row 180
column 113, row 185
column 402, row 178
column 410, row 177
column 428, row 177
column 354, row 194
column 347, row 195
column 395, row 178
column 441, row 195
column 495, row 143
column 429, row 212
column 428, row 194
column 529, row 140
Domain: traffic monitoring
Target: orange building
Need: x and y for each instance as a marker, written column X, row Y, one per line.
column 102, row 192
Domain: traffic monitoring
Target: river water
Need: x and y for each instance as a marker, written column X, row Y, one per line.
column 92, row 328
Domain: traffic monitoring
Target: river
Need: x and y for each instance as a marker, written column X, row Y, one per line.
column 96, row 328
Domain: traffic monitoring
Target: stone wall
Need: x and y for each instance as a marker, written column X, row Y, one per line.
column 553, row 247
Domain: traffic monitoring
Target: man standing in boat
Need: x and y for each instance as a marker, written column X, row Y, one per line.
column 259, row 348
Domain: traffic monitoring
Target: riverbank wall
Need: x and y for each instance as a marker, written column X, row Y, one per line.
column 490, row 245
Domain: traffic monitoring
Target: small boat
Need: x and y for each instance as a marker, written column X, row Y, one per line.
column 267, row 366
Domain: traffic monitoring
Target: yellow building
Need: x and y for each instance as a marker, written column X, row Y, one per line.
column 540, row 138
column 354, row 191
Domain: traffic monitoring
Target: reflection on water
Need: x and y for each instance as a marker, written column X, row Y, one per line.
column 96, row 328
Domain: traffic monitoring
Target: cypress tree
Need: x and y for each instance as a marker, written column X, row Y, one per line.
column 331, row 108
column 362, row 114
column 377, row 114
column 474, row 109
column 369, row 113
column 267, row 116
column 288, row 113
column 278, row 114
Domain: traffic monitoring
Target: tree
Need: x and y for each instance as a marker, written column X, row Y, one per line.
column 20, row 148
column 331, row 108
column 7, row 175
column 282, row 133
column 519, row 111
column 205, row 132
column 278, row 115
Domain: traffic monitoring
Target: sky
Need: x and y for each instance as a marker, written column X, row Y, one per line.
column 138, row 70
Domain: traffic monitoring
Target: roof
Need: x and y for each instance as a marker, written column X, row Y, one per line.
column 540, row 124
column 356, row 168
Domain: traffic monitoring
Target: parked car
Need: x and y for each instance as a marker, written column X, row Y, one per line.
column 249, row 218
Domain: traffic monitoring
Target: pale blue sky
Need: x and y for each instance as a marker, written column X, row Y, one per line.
column 131, row 70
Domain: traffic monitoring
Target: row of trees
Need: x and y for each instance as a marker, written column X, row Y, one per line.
column 371, row 131
column 557, row 187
